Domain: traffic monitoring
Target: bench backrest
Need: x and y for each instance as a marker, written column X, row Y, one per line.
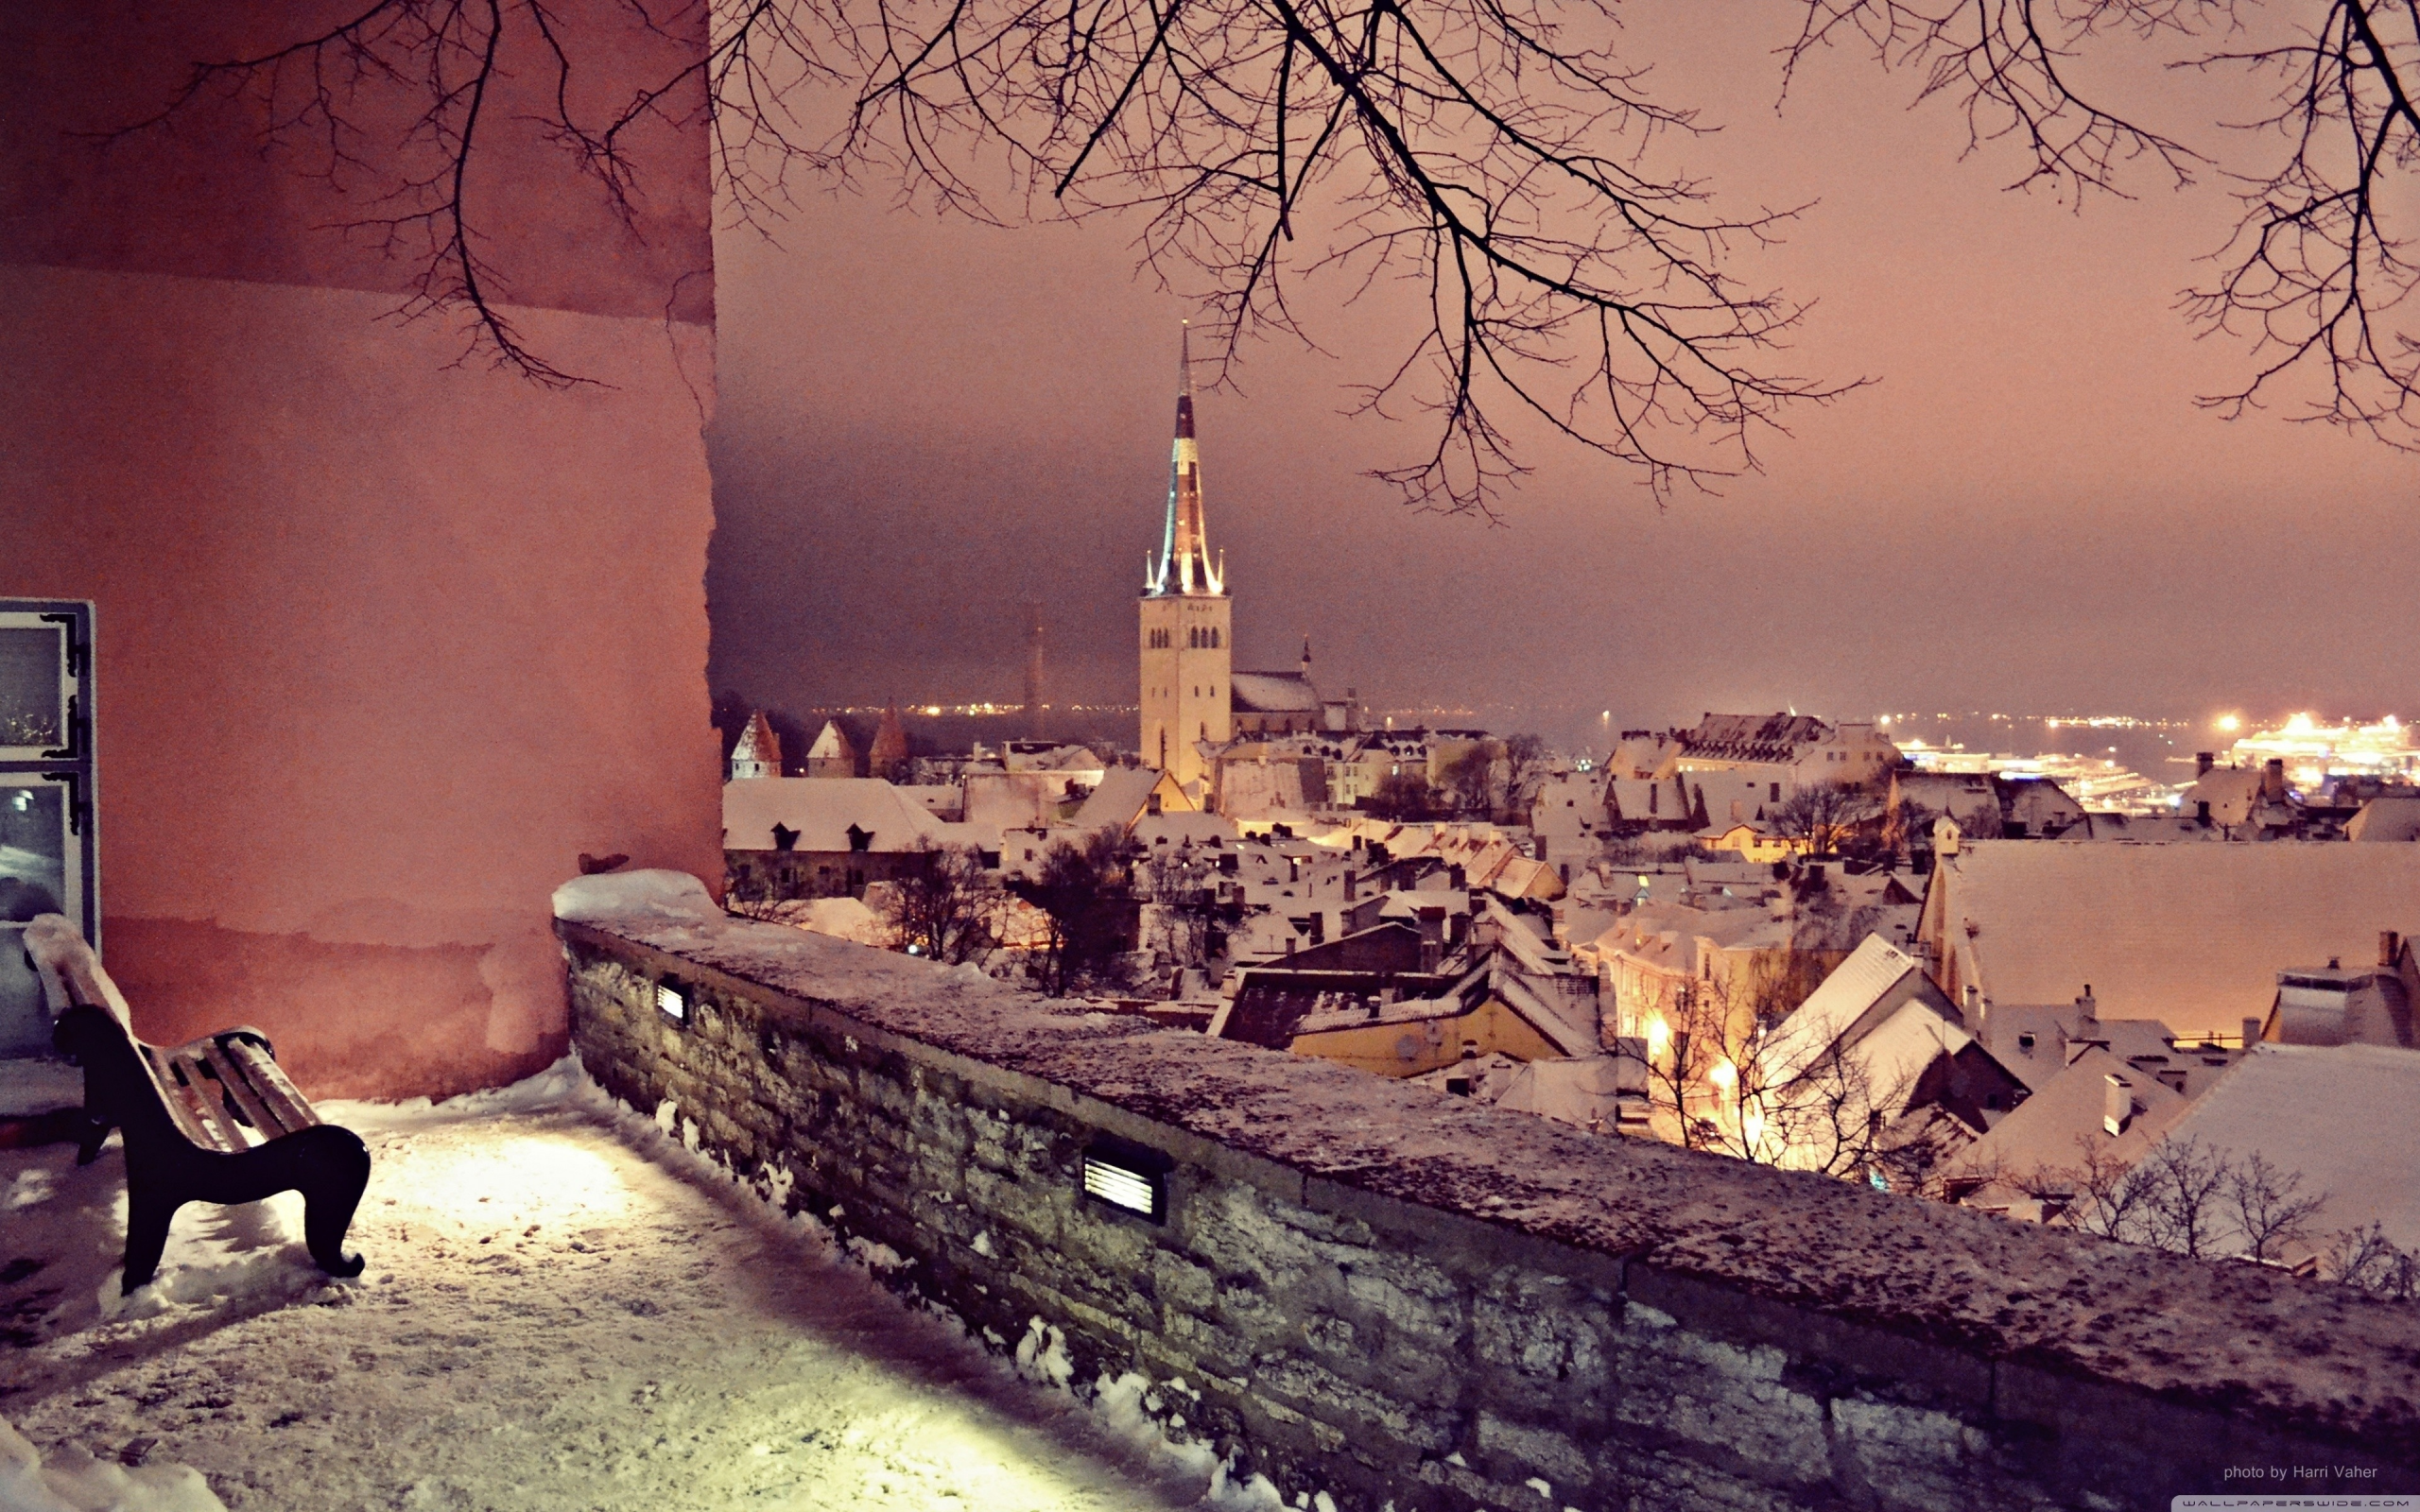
column 71, row 973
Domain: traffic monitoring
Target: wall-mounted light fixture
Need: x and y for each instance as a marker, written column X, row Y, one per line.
column 1128, row 1176
column 672, row 1001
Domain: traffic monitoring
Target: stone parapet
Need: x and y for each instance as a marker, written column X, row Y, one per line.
column 1363, row 1287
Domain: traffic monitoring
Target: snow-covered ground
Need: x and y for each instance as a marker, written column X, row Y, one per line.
column 564, row 1307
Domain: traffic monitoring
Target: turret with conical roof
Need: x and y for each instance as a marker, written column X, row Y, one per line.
column 759, row 751
column 830, row 755
column 889, row 751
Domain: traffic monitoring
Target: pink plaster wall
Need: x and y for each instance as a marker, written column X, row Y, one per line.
column 386, row 639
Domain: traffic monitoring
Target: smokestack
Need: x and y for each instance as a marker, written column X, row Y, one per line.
column 1037, row 723
column 2203, row 762
column 2118, row 1105
column 2390, row 946
column 2273, row 778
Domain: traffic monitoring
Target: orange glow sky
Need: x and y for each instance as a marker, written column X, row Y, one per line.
column 923, row 424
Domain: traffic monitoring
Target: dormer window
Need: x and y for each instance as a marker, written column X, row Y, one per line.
column 859, row 839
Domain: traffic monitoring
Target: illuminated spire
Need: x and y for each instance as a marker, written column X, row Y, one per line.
column 1185, row 547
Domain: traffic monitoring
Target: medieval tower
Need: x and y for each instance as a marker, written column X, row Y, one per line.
column 1187, row 619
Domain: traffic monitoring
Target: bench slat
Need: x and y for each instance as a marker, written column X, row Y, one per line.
column 287, row 1105
column 184, row 1107
column 266, row 1124
column 202, row 1089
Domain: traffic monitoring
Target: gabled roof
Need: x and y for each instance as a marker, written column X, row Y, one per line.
column 2340, row 1116
column 2062, row 1120
column 2387, row 816
column 1274, row 692
column 1752, row 737
column 822, row 810
column 1879, row 1012
column 2192, row 935
column 1120, row 800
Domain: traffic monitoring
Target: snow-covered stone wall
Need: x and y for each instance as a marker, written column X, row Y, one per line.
column 1366, row 1290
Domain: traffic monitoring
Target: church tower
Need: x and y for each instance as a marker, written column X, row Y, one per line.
column 1187, row 619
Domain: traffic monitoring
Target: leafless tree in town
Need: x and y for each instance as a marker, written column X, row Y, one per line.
column 1499, row 160
column 2317, row 277
column 1718, row 1079
column 2367, row 1259
column 2269, row 1214
column 947, row 909
column 1495, row 160
column 2180, row 1195
column 1820, row 815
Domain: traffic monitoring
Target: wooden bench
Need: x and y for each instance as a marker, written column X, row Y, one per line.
column 213, row 1120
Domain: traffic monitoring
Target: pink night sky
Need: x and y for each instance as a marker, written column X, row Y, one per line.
column 925, row 424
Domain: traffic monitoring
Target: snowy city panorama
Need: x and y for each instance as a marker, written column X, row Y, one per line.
column 1436, row 757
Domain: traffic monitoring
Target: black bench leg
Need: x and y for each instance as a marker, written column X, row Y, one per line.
column 90, row 1134
column 146, row 1235
column 334, row 1169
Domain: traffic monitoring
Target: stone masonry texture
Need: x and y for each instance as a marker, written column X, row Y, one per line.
column 1401, row 1298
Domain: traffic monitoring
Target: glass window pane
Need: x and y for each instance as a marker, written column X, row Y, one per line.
column 35, row 865
column 33, row 696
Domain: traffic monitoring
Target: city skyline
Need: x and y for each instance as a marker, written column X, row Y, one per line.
column 2026, row 507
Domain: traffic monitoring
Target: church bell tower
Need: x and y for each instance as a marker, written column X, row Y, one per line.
column 1187, row 619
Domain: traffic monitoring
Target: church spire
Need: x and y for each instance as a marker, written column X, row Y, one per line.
column 1184, row 548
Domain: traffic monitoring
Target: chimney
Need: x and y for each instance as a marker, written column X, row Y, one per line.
column 2273, row 778
column 1432, row 924
column 2251, row 1033
column 1454, row 878
column 2390, row 947
column 2088, row 1014
column 1974, row 1015
column 2203, row 762
column 1432, row 953
column 2118, row 1106
column 1351, row 883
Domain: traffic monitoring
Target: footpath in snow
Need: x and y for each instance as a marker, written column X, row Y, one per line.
column 564, row 1307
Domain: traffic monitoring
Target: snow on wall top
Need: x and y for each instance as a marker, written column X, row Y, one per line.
column 2228, row 1335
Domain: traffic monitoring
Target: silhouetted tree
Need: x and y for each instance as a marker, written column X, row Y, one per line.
column 1821, row 815
column 1499, row 153
column 1084, row 895
column 946, row 910
column 1403, row 796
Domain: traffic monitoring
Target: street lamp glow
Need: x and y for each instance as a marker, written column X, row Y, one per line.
column 2230, row 723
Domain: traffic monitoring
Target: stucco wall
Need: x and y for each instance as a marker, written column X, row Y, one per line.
column 1403, row 1299
column 387, row 637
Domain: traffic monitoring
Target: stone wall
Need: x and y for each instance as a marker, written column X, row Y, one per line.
column 1403, row 1299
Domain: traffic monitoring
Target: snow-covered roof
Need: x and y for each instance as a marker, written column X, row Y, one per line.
column 1879, row 1014
column 2341, row 1116
column 1581, row 1090
column 822, row 810
column 2387, row 816
column 1274, row 692
column 1120, row 800
column 2191, row 935
column 1190, row 827
column 758, row 743
column 830, row 745
column 2062, row 1120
